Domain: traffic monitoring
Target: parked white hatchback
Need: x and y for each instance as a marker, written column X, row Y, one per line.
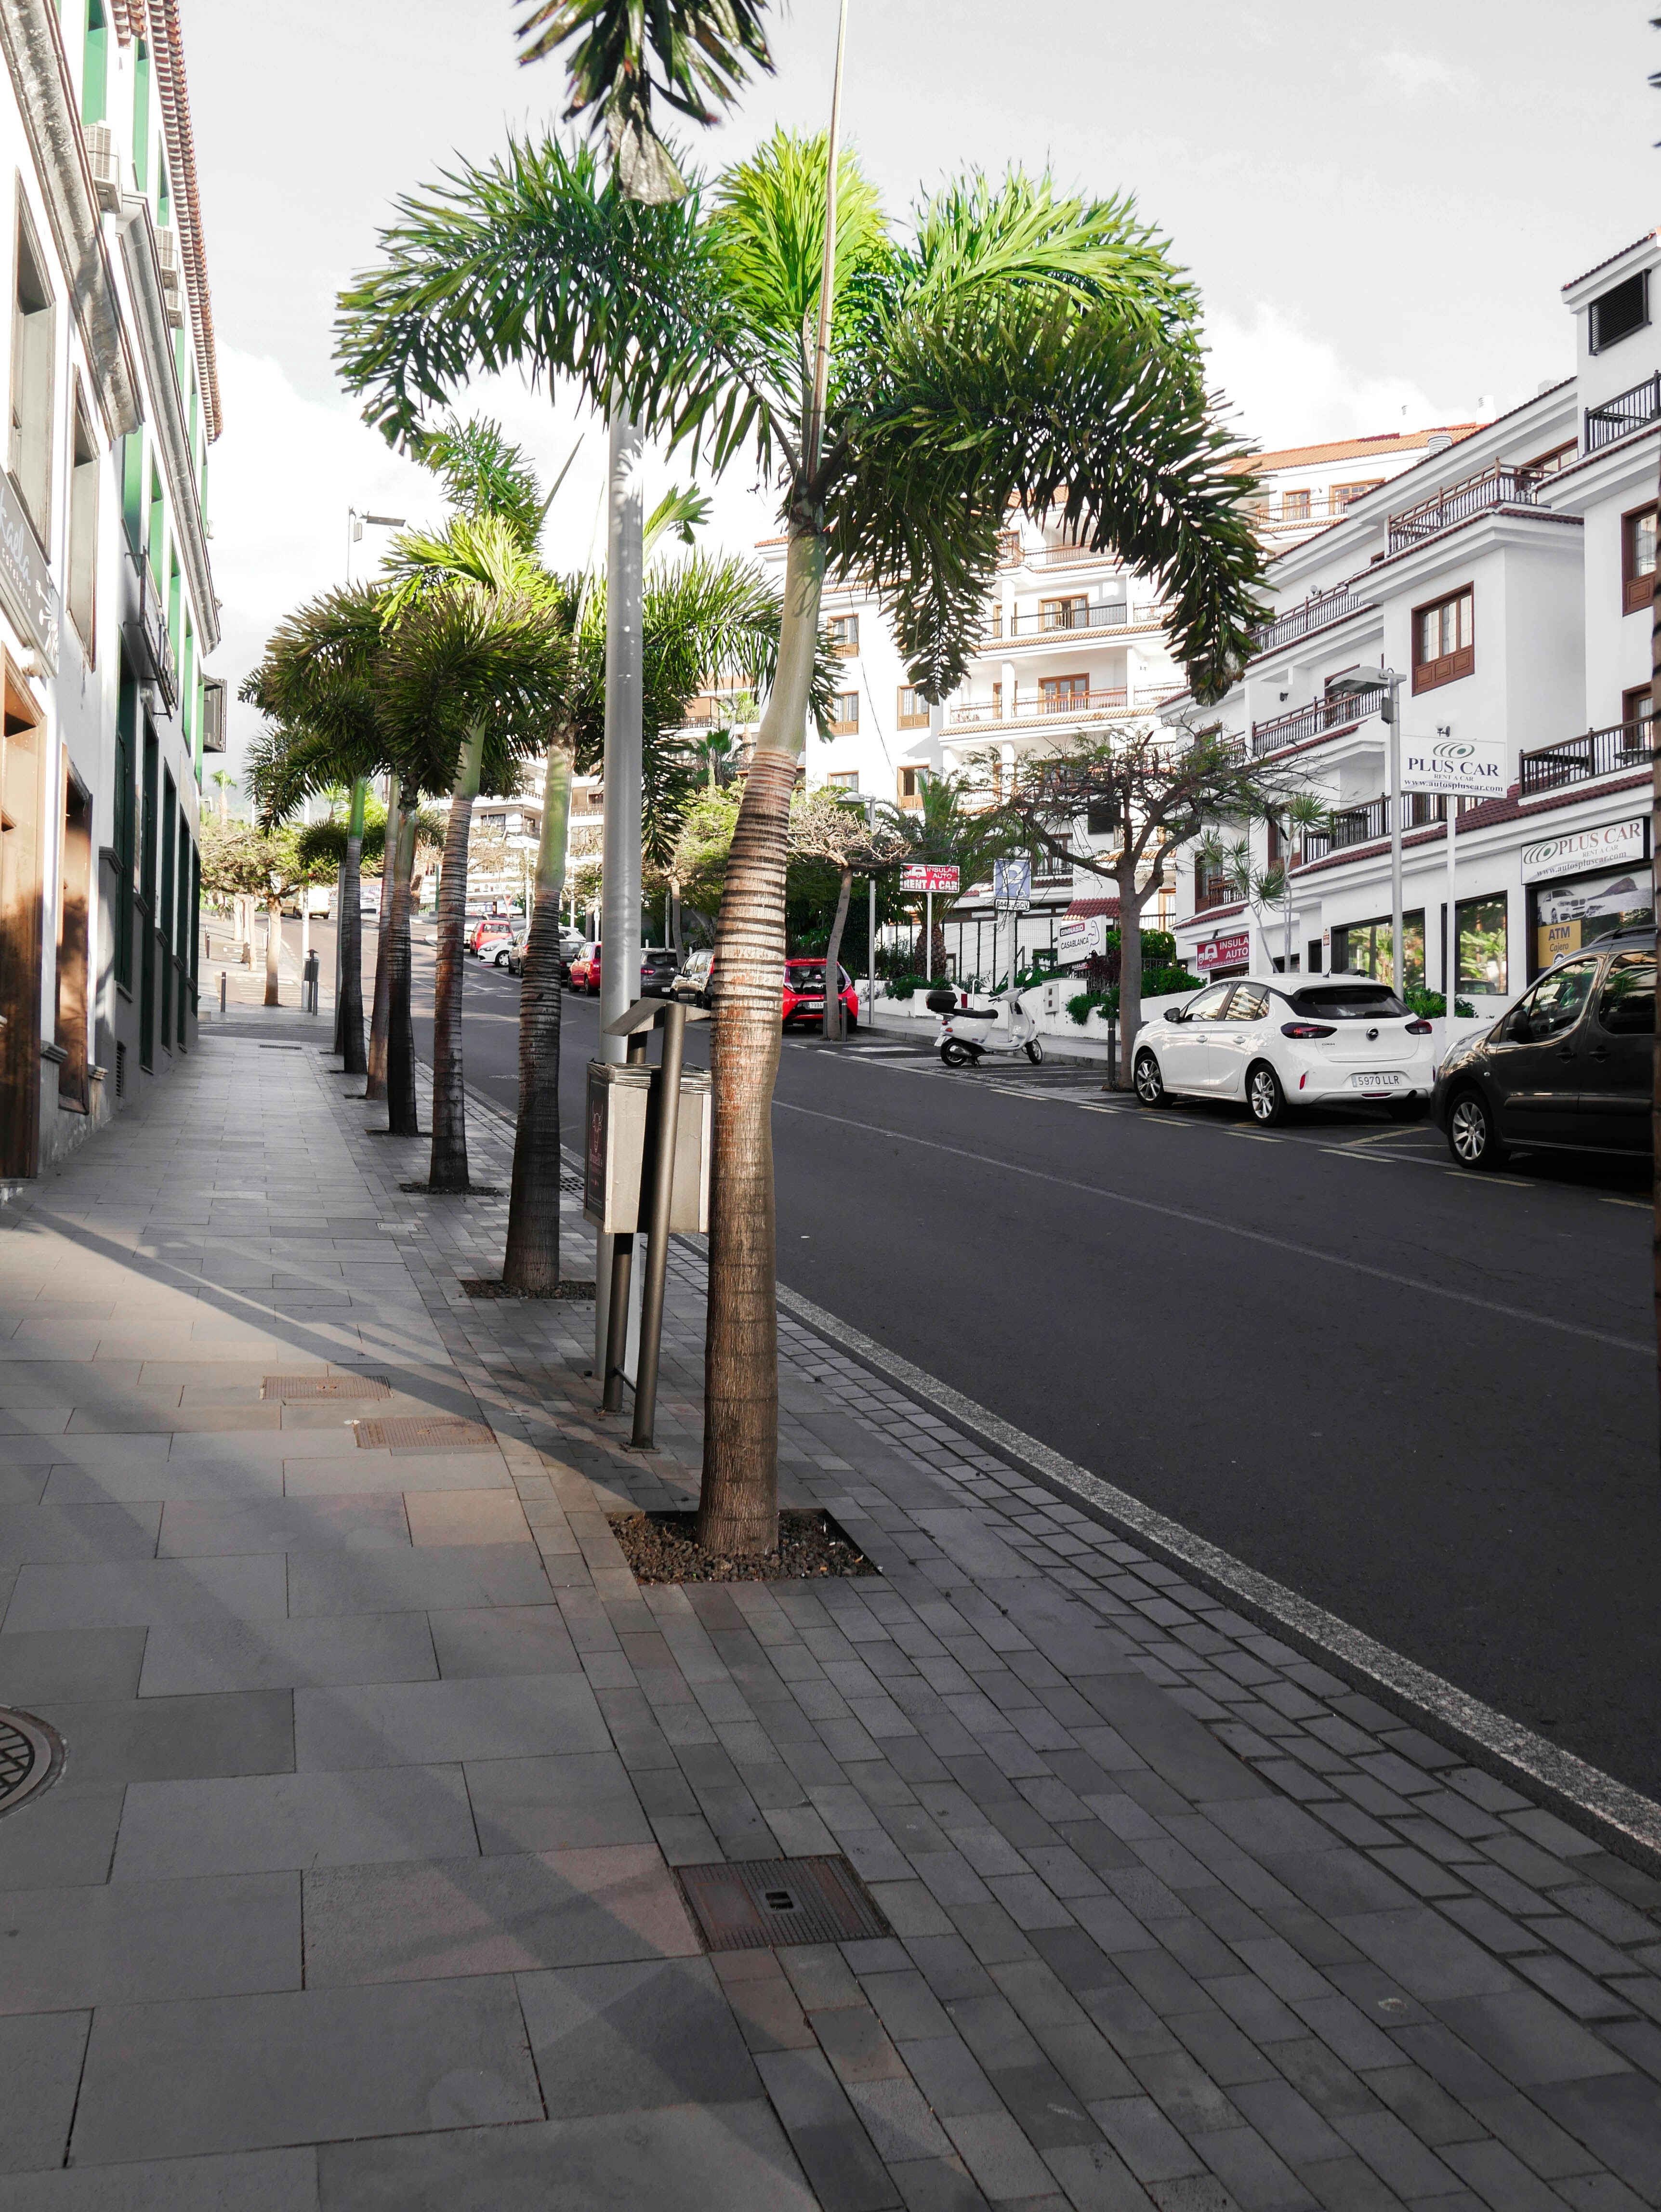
column 1278, row 1042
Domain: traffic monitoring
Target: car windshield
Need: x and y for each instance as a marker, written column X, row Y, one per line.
column 1348, row 1002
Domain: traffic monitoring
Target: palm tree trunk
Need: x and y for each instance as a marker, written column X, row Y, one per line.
column 832, row 1019
column 376, row 1085
column 448, row 1167
column 738, row 1510
column 353, row 1060
column 400, row 1029
column 273, row 948
column 532, row 1261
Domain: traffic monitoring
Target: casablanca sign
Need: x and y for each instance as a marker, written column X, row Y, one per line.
column 1463, row 768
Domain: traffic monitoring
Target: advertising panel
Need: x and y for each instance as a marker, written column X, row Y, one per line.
column 1467, row 767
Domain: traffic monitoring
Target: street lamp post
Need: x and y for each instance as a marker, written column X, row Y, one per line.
column 354, row 523
column 1371, row 683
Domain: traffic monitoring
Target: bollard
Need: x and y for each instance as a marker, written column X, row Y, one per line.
column 224, row 979
column 308, row 984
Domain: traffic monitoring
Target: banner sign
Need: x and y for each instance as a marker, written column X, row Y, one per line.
column 1615, row 845
column 1470, row 768
column 919, row 876
column 1012, row 884
column 1225, row 952
column 1080, row 939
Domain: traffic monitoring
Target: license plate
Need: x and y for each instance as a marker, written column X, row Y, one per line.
column 1385, row 1079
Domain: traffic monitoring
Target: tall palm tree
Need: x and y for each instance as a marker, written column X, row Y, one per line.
column 1012, row 347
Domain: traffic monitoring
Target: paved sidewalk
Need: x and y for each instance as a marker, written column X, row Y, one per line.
column 356, row 1892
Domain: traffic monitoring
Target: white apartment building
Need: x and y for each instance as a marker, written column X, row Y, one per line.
column 106, row 601
column 1509, row 579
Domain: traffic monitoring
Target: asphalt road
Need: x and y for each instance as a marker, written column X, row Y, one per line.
column 1426, row 1399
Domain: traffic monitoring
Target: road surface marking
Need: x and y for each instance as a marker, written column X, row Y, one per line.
column 1231, row 1228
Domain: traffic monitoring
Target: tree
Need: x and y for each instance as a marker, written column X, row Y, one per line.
column 1263, row 887
column 1157, row 786
column 264, row 862
column 956, row 825
column 825, row 828
column 1015, row 347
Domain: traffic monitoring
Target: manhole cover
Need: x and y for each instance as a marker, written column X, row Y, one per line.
column 762, row 1905
column 325, row 1386
column 30, row 1754
column 413, row 1432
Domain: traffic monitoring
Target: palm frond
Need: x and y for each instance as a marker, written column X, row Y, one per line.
column 484, row 473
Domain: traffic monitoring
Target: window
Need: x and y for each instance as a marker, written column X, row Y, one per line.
column 1625, row 1005
column 1101, row 816
column 83, row 525
column 1346, row 1002
column 913, row 782
column 845, row 712
column 1294, row 507
column 1313, row 956
column 1444, row 647
column 1367, row 948
column 844, row 634
column 1249, row 1004
column 1346, row 494
column 1071, row 613
column 913, row 709
column 1482, row 933
column 29, row 456
column 1548, row 463
column 1617, row 313
column 1638, row 705
column 1059, row 694
column 843, row 779
column 1211, row 1005
column 1555, row 1003
column 1638, row 561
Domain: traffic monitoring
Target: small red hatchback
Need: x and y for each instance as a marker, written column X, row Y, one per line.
column 804, row 994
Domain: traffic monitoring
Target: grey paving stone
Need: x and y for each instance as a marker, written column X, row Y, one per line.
column 835, row 2153
column 258, row 1823
column 40, row 2055
column 1145, row 2139
column 580, row 1800
column 420, row 1723
column 999, row 2155
column 1619, row 2120
column 728, row 2158
column 489, row 1915
column 1427, row 1957
column 936, row 2185
column 1529, row 2039
column 167, row 2080
column 204, row 1528
column 112, row 1945
column 233, row 1655
column 176, row 1738
column 57, row 1665
column 255, row 2181
column 503, row 1640
column 76, row 1534
column 619, row 2039
column 136, row 1593
column 436, row 1576
column 67, row 1835
column 139, row 1477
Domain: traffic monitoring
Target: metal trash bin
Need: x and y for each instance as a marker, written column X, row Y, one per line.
column 615, row 1143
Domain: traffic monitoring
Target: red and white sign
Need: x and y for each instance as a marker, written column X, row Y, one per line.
column 1225, row 952
column 919, row 876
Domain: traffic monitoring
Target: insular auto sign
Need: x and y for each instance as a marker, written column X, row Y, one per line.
column 1470, row 768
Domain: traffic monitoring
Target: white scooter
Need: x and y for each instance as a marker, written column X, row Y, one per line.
column 969, row 1033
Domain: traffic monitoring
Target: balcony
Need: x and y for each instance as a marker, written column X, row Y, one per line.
column 1623, row 746
column 1214, row 890
column 1628, row 411
column 149, row 648
column 1319, row 718
column 1072, row 618
column 1499, row 486
column 1316, row 612
column 1077, row 706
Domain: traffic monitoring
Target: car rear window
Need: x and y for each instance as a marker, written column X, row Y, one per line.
column 807, row 971
column 1348, row 1002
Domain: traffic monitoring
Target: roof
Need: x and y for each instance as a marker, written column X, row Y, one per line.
column 1384, row 447
column 1610, row 259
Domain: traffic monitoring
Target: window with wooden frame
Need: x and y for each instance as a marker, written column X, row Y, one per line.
column 83, row 564
column 28, row 455
column 1443, row 641
column 913, row 709
column 1062, row 694
column 1548, row 463
column 844, row 631
column 1345, row 495
column 844, row 713
column 912, row 783
column 1637, row 560
column 845, row 779
column 1638, row 705
column 1070, row 613
column 1294, row 507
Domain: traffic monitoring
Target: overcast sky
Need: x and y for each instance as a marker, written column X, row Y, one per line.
column 1379, row 204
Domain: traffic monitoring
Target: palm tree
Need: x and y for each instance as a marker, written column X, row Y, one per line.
column 825, row 828
column 1013, row 347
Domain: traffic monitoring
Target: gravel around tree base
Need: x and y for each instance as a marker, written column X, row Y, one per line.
column 660, row 1547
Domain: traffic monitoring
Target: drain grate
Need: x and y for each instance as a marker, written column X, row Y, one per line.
column 420, row 1432
column 492, row 1287
column 325, row 1386
column 764, row 1904
column 31, row 1756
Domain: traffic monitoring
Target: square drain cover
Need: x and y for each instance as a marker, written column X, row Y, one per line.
column 415, row 1432
column 325, row 1386
column 761, row 1904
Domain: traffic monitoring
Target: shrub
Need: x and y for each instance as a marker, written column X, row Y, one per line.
column 1431, row 1005
column 1105, row 1003
column 1167, row 983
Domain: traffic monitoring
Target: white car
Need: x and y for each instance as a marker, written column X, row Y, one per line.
column 1279, row 1042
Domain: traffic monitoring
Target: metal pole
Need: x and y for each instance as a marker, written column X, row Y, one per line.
column 1393, row 715
column 928, row 935
column 1451, row 926
column 619, row 1263
column 871, row 953
column 666, row 1084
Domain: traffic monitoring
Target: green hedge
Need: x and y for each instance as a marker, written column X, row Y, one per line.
column 1157, row 983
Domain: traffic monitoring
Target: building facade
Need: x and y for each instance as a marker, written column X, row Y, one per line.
column 1508, row 579
column 107, row 604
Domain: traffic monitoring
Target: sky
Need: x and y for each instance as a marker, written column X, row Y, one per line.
column 1379, row 206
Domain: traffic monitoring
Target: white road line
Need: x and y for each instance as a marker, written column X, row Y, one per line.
column 1621, row 1817
column 1232, row 1229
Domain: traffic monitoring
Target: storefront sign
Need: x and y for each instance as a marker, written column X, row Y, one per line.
column 1617, row 844
column 1225, row 952
column 27, row 589
column 1472, row 768
column 1567, row 916
column 1012, row 884
column 1081, row 938
column 921, row 876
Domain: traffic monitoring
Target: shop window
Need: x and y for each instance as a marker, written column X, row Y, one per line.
column 29, row 453
column 1617, row 313
column 1482, row 958
column 845, row 714
column 1368, row 948
column 1570, row 914
column 1443, row 641
column 83, row 527
column 844, row 634
column 1638, row 561
column 913, row 709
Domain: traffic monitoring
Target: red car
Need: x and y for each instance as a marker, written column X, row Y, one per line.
column 583, row 974
column 489, row 932
column 804, row 994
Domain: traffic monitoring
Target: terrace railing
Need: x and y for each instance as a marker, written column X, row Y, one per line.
column 1628, row 410
column 1579, row 760
column 1315, row 613
column 1502, row 485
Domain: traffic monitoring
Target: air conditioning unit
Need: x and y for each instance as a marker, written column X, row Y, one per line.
column 106, row 167
column 166, row 254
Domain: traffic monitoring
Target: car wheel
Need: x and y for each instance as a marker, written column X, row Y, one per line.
column 1035, row 1051
column 1472, row 1137
column 1150, row 1084
column 1264, row 1096
column 502, row 960
column 955, row 1054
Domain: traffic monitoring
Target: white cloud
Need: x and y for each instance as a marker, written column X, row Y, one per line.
column 1413, row 74
column 1289, row 387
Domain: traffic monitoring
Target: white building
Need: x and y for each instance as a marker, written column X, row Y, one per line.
column 106, row 602
column 1509, row 579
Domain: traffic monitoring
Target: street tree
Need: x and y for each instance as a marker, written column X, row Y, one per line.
column 260, row 861
column 825, row 828
column 1265, row 885
column 956, row 825
column 1013, row 347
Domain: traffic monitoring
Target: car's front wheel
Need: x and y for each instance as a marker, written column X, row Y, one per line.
column 1472, row 1137
column 502, row 960
column 1150, row 1084
column 1264, row 1096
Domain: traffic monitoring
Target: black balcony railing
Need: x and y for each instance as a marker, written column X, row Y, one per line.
column 1214, row 890
column 1577, row 760
column 1316, row 612
column 1628, row 410
column 1319, row 719
column 1360, row 825
column 1498, row 486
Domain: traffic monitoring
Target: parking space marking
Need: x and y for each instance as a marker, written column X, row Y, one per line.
column 1488, row 1181
column 1643, row 1205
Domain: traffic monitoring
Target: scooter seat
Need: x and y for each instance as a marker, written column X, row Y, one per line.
column 976, row 1014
